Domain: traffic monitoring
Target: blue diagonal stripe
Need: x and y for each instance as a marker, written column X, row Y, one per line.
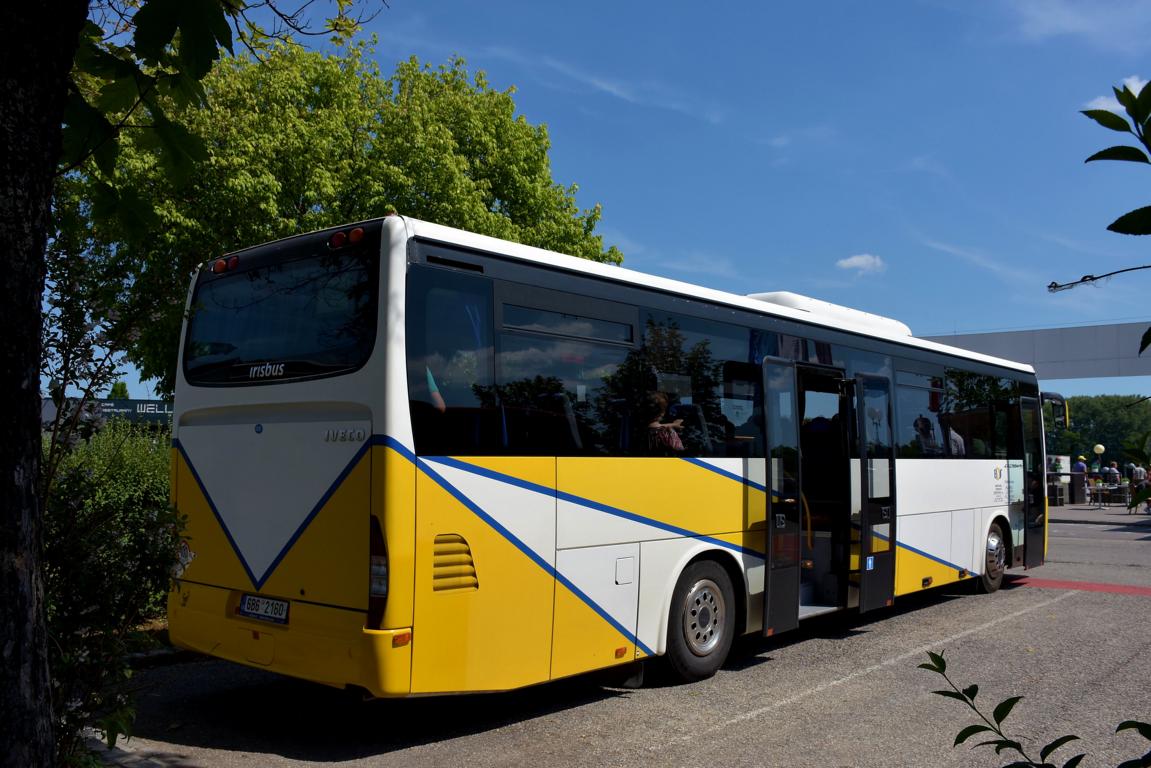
column 589, row 503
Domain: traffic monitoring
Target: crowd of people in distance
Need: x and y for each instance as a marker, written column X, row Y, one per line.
column 1133, row 473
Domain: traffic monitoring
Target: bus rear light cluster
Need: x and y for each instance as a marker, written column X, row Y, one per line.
column 225, row 265
column 377, row 575
column 342, row 238
column 378, row 570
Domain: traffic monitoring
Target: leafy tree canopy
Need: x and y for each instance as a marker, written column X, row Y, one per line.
column 301, row 141
column 1108, row 420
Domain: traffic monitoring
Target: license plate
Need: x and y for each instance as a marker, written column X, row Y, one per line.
column 263, row 608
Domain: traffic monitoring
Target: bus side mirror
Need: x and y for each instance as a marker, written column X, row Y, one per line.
column 1058, row 408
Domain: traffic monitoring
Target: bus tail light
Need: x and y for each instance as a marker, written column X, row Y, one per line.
column 377, row 576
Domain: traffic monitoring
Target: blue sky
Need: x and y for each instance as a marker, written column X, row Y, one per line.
column 919, row 159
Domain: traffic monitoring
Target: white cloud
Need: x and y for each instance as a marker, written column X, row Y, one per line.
column 620, row 240
column 983, row 261
column 1111, row 25
column 652, row 94
column 1134, row 83
column 706, row 264
column 862, row 263
column 929, row 165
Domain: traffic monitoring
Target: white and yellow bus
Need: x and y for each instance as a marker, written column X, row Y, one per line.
column 415, row 460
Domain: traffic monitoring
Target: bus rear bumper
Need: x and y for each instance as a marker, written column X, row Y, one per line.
column 319, row 643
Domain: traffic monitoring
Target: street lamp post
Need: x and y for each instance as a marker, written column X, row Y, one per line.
column 1098, row 449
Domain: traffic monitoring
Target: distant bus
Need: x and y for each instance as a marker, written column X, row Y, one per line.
column 415, row 460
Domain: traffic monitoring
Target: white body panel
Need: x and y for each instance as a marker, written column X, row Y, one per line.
column 530, row 516
column 945, row 507
column 607, row 575
column 661, row 562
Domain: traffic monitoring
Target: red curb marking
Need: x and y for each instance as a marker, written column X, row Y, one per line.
column 1082, row 586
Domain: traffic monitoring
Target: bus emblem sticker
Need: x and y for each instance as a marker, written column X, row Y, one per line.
column 267, row 370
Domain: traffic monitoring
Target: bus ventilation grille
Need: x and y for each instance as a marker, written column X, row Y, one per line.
column 452, row 564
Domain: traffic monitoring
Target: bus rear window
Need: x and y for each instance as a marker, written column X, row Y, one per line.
column 278, row 317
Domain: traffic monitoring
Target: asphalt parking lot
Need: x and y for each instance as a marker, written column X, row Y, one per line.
column 1071, row 637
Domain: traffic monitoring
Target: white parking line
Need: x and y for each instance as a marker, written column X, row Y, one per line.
column 920, row 651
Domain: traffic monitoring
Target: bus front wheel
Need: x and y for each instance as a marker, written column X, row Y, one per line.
column 702, row 622
column 996, row 560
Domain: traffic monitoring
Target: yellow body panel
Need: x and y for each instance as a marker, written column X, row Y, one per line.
column 509, row 625
column 676, row 493
column 538, row 471
column 583, row 639
column 213, row 559
column 324, row 575
column 329, row 562
column 322, row 644
column 753, row 541
column 911, row 568
column 494, row 637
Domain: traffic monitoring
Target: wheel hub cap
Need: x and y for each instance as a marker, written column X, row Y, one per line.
column 996, row 555
column 703, row 617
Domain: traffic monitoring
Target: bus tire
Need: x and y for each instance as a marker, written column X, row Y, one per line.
column 701, row 626
column 995, row 561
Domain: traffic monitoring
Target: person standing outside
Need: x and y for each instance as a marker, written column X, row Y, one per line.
column 1080, row 468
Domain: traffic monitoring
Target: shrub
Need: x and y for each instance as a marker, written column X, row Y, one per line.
column 110, row 538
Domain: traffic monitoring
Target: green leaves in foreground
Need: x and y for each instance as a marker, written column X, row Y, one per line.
column 1138, row 108
column 1001, row 742
column 1137, row 222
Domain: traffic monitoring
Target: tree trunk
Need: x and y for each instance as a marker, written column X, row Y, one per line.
column 35, row 58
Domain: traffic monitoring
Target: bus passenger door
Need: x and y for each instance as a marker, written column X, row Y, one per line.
column 877, row 512
column 1035, row 486
column 781, row 572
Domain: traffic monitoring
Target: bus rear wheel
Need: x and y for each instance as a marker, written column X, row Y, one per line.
column 996, row 560
column 702, row 622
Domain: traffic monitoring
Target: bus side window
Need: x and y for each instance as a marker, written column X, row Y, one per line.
column 450, row 386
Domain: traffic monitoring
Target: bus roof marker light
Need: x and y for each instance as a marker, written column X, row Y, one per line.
column 337, row 240
column 356, row 235
column 233, row 262
column 219, row 266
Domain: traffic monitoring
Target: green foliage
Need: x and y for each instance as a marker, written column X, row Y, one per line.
column 1138, row 108
column 119, row 391
column 110, row 541
column 1112, row 420
column 301, row 141
column 139, row 63
column 1001, row 742
column 1136, row 449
